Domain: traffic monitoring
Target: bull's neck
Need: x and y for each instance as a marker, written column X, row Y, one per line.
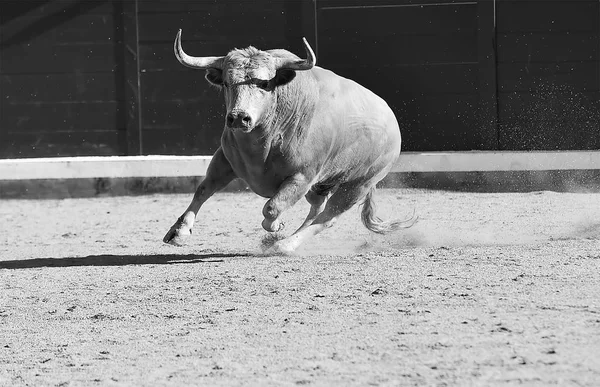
column 294, row 108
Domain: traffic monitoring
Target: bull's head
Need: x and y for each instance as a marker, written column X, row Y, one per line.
column 249, row 78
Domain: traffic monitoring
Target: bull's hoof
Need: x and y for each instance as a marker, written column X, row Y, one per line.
column 274, row 226
column 177, row 235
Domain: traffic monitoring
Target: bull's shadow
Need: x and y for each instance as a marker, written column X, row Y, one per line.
column 118, row 260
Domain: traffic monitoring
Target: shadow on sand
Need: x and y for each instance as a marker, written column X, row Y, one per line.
column 118, row 260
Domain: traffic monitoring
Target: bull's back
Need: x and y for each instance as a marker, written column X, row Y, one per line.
column 364, row 129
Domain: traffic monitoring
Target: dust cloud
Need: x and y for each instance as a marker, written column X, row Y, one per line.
column 453, row 219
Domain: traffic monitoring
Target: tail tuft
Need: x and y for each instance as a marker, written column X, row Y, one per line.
column 375, row 224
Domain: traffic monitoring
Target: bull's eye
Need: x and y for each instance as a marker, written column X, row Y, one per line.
column 263, row 84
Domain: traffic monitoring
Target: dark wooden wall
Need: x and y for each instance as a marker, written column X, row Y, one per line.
column 548, row 64
column 84, row 77
column 60, row 79
column 420, row 56
column 98, row 77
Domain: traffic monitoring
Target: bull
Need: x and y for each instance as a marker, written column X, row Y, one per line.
column 293, row 130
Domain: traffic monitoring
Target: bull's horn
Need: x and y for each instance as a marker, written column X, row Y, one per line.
column 303, row 64
column 196, row 62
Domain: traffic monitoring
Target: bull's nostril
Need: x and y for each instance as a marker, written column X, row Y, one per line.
column 230, row 119
column 238, row 119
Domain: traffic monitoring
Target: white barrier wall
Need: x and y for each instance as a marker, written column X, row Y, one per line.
column 174, row 166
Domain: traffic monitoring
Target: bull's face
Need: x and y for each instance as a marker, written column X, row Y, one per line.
column 248, row 84
column 249, row 78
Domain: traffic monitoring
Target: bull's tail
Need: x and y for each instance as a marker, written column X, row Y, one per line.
column 373, row 223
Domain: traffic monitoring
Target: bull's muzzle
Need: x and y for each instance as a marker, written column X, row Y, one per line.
column 239, row 119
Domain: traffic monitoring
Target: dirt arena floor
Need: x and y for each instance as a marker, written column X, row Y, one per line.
column 494, row 289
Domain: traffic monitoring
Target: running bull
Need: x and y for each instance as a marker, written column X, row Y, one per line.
column 293, row 129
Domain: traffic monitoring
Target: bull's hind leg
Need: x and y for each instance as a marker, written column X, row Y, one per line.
column 317, row 205
column 218, row 175
column 346, row 196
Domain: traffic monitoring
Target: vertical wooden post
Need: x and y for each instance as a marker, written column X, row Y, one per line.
column 309, row 23
column 131, row 63
column 488, row 88
column 300, row 22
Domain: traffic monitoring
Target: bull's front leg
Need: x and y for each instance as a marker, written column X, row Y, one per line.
column 291, row 190
column 218, row 175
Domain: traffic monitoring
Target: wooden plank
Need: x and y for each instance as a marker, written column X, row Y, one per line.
column 455, row 134
column 247, row 25
column 25, row 21
column 404, row 49
column 487, row 119
column 182, row 141
column 80, row 29
column 532, row 77
column 50, row 117
column 84, row 143
column 224, row 9
column 432, row 108
column 433, row 20
column 69, row 87
column 132, row 81
column 189, row 86
column 415, row 79
column 177, row 114
column 16, row 9
column 362, row 4
column 547, row 16
column 547, row 47
column 72, row 59
column 218, row 9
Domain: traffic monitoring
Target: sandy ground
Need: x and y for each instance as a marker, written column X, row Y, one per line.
column 486, row 289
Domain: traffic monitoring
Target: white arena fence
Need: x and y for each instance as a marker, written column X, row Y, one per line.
column 181, row 166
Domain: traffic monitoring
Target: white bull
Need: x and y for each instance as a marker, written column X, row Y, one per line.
column 293, row 129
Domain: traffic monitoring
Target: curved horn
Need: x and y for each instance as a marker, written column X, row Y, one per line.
column 302, row 64
column 196, row 62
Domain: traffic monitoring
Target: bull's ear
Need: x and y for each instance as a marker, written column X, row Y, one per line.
column 284, row 76
column 214, row 76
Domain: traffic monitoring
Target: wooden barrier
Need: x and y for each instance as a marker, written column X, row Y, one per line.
column 181, row 166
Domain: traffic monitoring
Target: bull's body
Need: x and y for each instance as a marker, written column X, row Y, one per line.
column 351, row 131
column 296, row 130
